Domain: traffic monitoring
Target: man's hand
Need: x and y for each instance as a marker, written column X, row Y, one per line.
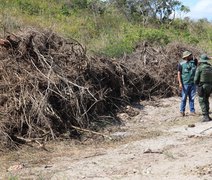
column 180, row 87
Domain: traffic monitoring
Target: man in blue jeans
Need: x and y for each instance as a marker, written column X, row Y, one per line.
column 186, row 73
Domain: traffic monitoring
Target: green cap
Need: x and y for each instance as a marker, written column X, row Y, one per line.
column 204, row 58
column 186, row 54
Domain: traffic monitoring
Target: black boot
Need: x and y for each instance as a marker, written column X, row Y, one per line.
column 206, row 118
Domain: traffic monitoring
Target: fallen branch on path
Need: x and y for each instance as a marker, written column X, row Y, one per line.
column 205, row 130
column 90, row 131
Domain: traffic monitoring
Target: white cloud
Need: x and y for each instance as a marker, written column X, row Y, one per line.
column 202, row 9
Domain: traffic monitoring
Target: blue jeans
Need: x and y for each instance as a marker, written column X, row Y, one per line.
column 188, row 91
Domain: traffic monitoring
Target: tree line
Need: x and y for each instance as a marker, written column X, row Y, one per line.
column 140, row 10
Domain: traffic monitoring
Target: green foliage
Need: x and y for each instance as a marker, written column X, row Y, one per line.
column 29, row 7
column 79, row 4
column 65, row 10
column 189, row 38
column 74, row 5
column 102, row 26
column 133, row 35
column 180, row 25
column 157, row 36
column 116, row 49
column 123, row 41
column 148, row 9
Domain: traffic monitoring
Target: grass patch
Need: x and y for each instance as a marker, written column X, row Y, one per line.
column 109, row 33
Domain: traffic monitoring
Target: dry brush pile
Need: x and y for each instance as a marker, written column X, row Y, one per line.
column 161, row 64
column 48, row 85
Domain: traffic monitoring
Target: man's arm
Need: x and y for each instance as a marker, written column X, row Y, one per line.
column 179, row 80
column 179, row 70
column 197, row 76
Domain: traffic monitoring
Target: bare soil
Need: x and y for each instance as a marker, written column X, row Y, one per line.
column 154, row 142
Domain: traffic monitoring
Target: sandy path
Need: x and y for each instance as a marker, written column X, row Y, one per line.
column 158, row 145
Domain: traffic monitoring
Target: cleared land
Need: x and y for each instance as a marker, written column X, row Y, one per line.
column 154, row 143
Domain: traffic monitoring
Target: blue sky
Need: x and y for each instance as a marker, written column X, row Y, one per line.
column 199, row 8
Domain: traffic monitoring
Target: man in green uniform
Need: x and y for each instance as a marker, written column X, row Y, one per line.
column 203, row 79
column 186, row 73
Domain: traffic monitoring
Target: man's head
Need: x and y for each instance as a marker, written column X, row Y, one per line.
column 204, row 58
column 187, row 55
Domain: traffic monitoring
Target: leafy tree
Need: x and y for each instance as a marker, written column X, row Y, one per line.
column 162, row 10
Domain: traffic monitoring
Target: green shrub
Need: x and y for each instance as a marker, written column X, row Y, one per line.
column 65, row 10
column 117, row 49
column 189, row 38
column 123, row 41
column 29, row 7
column 154, row 36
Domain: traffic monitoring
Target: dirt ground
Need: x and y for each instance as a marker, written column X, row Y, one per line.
column 154, row 142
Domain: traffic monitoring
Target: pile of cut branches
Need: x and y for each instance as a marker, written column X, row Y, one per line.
column 48, row 85
column 161, row 64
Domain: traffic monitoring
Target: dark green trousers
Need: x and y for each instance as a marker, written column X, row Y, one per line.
column 204, row 99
